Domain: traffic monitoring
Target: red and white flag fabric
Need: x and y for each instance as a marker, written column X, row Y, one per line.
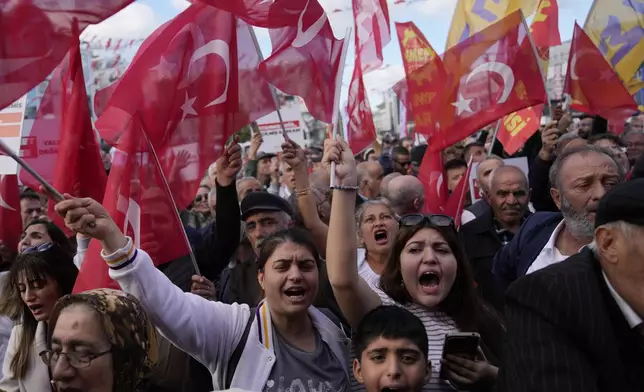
column 10, row 218
column 593, row 84
column 491, row 74
column 431, row 175
column 142, row 207
column 361, row 131
column 266, row 13
column 36, row 35
column 516, row 128
column 67, row 152
column 193, row 84
column 373, row 33
column 306, row 59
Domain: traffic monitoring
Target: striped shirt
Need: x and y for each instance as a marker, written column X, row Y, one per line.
column 437, row 324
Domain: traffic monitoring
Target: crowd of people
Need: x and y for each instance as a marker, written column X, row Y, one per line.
column 311, row 286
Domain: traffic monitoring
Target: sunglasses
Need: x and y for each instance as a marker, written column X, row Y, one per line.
column 437, row 220
column 200, row 198
column 39, row 248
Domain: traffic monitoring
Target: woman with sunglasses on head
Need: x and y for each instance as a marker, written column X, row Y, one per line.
column 283, row 343
column 40, row 275
column 426, row 273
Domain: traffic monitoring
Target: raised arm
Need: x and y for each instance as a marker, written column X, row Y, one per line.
column 207, row 330
column 353, row 294
column 294, row 156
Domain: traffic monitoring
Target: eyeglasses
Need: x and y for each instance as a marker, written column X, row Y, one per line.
column 39, row 248
column 74, row 359
column 434, row 220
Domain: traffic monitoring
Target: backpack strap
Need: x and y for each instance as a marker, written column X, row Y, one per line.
column 236, row 356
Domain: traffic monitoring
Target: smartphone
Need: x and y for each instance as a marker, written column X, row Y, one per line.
column 463, row 344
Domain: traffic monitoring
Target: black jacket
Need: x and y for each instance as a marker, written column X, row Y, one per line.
column 566, row 333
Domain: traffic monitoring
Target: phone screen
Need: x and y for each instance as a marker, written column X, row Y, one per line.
column 463, row 346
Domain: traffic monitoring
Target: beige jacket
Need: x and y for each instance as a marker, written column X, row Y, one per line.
column 37, row 377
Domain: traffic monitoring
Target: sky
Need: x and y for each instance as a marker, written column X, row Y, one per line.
column 432, row 17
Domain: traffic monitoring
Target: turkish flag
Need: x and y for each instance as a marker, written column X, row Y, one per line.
column 425, row 76
column 361, row 131
column 431, row 175
column 193, row 84
column 593, row 84
column 268, row 13
column 68, row 153
column 456, row 201
column 306, row 60
column 10, row 219
column 518, row 127
column 371, row 19
column 102, row 98
column 491, row 74
column 37, row 34
column 142, row 207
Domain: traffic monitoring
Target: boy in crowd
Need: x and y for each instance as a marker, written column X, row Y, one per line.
column 391, row 351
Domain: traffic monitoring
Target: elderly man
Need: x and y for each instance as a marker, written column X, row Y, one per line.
column 509, row 195
column 248, row 185
column 384, row 184
column 634, row 142
column 369, row 177
column 483, row 171
column 577, row 326
column 406, row 195
column 579, row 177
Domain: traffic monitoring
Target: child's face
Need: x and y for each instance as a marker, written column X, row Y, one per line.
column 395, row 364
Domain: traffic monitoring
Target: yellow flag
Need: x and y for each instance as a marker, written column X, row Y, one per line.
column 616, row 27
column 472, row 16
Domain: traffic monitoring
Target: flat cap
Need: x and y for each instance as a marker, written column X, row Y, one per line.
column 256, row 202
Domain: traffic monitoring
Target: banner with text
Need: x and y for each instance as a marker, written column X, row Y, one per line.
column 271, row 128
column 11, row 124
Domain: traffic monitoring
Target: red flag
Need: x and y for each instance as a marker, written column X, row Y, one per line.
column 68, row 153
column 402, row 92
column 141, row 206
column 491, row 74
column 193, row 83
column 518, row 127
column 431, row 175
column 426, row 76
column 37, row 34
column 361, row 131
column 593, row 84
column 372, row 32
column 10, row 219
column 456, row 200
column 102, row 98
column 266, row 13
column 306, row 60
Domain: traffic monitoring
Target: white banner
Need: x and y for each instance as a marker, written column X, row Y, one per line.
column 271, row 128
column 11, row 127
column 475, row 190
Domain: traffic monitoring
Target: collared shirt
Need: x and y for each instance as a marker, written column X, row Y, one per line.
column 505, row 236
column 630, row 315
column 549, row 254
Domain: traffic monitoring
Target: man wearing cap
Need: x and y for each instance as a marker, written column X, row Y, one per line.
column 264, row 215
column 577, row 325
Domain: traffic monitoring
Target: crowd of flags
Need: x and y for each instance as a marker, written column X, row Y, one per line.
column 201, row 77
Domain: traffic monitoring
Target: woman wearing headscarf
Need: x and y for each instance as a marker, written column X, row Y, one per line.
column 106, row 339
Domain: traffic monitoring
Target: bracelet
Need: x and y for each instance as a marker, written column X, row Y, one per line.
column 303, row 192
column 346, row 188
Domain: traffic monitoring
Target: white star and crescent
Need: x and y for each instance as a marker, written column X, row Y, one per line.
column 573, row 62
column 188, row 107
column 303, row 37
column 164, row 68
column 216, row 47
column 502, row 69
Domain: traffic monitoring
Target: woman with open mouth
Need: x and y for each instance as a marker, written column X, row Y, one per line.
column 283, row 344
column 426, row 273
column 37, row 279
column 377, row 229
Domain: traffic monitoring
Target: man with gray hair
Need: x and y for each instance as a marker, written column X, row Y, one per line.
column 634, row 140
column 384, row 184
column 577, row 326
column 580, row 177
column 406, row 195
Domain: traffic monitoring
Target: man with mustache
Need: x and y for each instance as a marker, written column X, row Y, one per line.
column 509, row 196
column 580, row 176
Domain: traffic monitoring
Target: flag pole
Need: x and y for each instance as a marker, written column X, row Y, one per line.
column 336, row 97
column 496, row 133
column 174, row 205
column 278, row 105
column 58, row 197
column 462, row 195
